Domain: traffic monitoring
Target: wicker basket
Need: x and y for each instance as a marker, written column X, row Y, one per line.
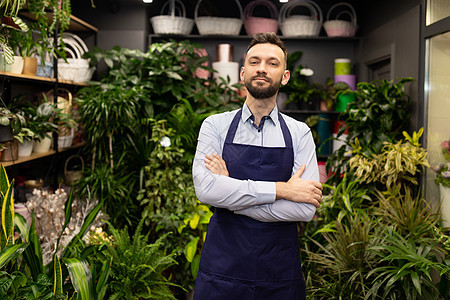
column 71, row 176
column 64, row 103
column 254, row 25
column 172, row 24
column 300, row 25
column 341, row 28
column 218, row 25
column 75, row 68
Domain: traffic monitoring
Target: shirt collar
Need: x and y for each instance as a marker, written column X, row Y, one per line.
column 246, row 114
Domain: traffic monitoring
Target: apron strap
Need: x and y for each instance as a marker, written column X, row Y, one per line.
column 235, row 122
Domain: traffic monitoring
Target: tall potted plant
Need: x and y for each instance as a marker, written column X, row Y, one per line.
column 9, row 21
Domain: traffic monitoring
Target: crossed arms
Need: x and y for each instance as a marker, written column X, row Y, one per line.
column 294, row 200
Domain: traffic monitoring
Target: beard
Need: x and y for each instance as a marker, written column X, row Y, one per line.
column 259, row 92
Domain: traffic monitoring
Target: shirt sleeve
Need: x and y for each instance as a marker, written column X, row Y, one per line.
column 222, row 191
column 284, row 210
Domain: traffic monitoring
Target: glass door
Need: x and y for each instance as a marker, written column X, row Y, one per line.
column 437, row 103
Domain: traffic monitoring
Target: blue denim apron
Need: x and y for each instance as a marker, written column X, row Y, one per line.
column 247, row 259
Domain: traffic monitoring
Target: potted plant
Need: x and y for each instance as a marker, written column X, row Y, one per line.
column 300, row 89
column 10, row 124
column 26, row 141
column 40, row 120
column 10, row 22
column 30, row 45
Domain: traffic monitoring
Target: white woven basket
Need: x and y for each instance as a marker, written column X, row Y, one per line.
column 76, row 68
column 300, row 25
column 172, row 24
column 254, row 25
column 219, row 25
column 341, row 28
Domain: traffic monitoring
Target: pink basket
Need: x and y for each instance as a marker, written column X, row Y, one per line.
column 254, row 25
column 341, row 28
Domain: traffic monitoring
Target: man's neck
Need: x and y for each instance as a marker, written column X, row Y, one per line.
column 260, row 107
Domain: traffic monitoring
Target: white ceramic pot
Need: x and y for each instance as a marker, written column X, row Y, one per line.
column 25, row 148
column 445, row 205
column 43, row 145
column 17, row 66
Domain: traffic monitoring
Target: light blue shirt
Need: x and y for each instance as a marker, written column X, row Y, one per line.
column 255, row 199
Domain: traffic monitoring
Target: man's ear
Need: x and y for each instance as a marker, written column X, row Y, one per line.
column 242, row 74
column 286, row 77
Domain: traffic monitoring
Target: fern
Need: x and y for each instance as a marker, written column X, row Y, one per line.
column 137, row 266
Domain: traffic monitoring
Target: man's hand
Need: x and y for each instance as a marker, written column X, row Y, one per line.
column 300, row 190
column 216, row 164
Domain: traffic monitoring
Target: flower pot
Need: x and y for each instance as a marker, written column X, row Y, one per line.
column 17, row 66
column 29, row 65
column 25, row 148
column 43, row 145
column 4, row 66
column 11, row 151
column 445, row 205
column 6, row 134
column 45, row 70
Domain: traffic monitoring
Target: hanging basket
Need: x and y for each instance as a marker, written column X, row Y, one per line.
column 341, row 28
column 70, row 176
column 254, row 25
column 172, row 24
column 300, row 25
column 218, row 25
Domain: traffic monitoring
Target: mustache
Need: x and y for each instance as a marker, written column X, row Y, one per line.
column 261, row 77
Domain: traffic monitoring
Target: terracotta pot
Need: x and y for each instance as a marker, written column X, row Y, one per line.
column 29, row 65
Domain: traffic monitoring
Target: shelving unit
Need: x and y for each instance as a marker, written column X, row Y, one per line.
column 48, row 163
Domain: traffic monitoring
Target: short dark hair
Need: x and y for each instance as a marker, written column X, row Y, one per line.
column 267, row 38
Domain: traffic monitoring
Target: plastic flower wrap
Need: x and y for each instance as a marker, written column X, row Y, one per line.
column 49, row 218
column 443, row 169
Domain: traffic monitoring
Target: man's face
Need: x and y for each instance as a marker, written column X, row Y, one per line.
column 264, row 70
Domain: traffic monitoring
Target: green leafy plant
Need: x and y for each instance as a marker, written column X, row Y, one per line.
column 380, row 113
column 300, row 88
column 8, row 118
column 406, row 267
column 170, row 205
column 10, row 23
column 22, row 273
column 137, row 266
column 398, row 163
column 343, row 260
column 40, row 119
column 116, row 111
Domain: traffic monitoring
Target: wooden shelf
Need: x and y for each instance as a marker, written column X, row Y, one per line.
column 28, row 77
column 76, row 24
column 41, row 79
column 35, row 156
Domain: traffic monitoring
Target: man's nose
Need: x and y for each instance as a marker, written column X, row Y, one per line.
column 261, row 68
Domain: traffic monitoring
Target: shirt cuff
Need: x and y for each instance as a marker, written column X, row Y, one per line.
column 266, row 192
